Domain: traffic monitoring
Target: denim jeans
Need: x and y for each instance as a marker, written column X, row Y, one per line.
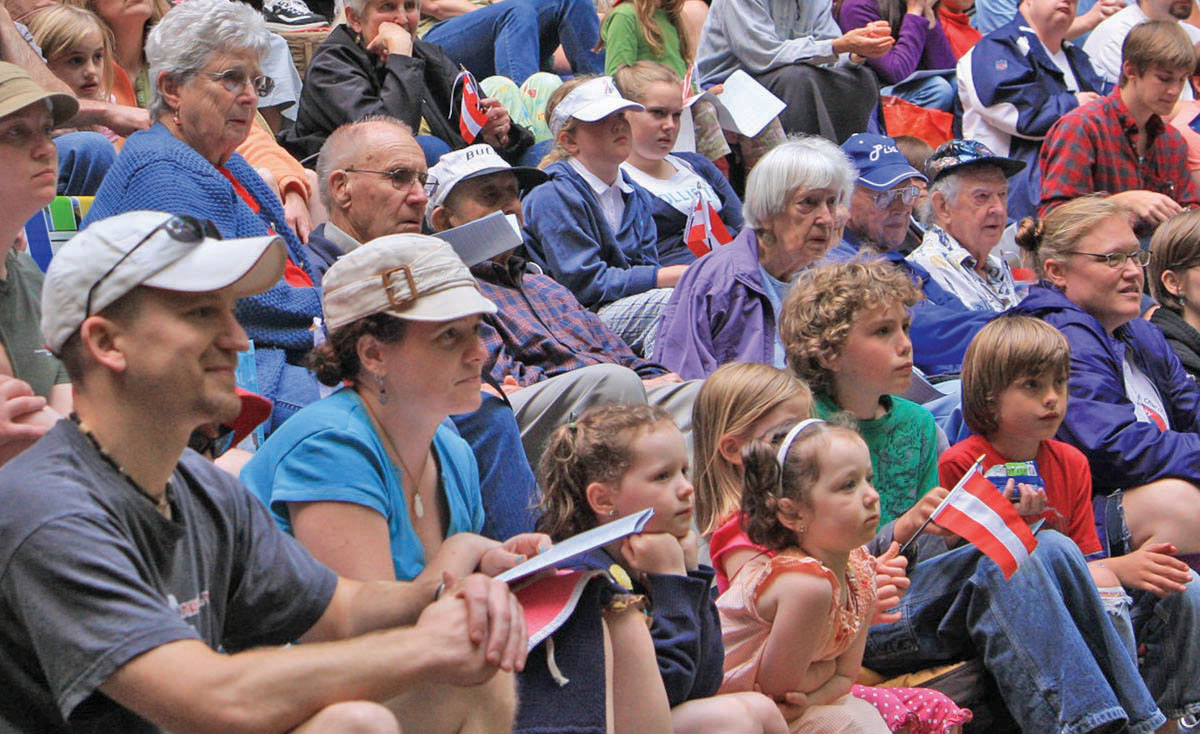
column 575, row 26
column 1043, row 635
column 494, row 39
column 1168, row 627
column 83, row 159
column 931, row 92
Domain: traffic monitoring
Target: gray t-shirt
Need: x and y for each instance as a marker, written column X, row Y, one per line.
column 91, row 576
column 21, row 326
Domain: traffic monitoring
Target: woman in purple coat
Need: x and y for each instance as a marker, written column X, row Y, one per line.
column 921, row 45
column 725, row 307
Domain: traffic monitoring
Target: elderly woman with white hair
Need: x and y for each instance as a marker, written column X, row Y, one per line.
column 374, row 64
column 205, row 58
column 726, row 306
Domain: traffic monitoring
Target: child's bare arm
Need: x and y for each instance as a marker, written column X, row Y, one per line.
column 798, row 606
column 849, row 664
column 1152, row 568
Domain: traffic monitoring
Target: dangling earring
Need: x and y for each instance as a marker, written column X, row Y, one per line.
column 383, row 396
column 801, row 528
column 175, row 117
column 612, row 512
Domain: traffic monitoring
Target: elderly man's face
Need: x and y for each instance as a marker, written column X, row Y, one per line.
column 881, row 217
column 977, row 215
column 377, row 206
column 476, row 198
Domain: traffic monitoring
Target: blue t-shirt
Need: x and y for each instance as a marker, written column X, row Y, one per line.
column 776, row 290
column 330, row 452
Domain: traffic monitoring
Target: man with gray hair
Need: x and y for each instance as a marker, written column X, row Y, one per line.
column 142, row 588
column 942, row 326
column 372, row 179
column 968, row 202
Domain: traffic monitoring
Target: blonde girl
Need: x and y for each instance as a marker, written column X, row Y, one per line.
column 796, row 616
column 614, row 461
column 78, row 49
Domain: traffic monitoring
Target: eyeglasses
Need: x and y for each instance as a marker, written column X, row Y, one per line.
column 1117, row 260
column 180, row 228
column 907, row 194
column 212, row 445
column 403, row 178
column 235, row 80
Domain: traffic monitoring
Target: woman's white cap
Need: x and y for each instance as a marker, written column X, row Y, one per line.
column 593, row 100
column 412, row 276
column 179, row 255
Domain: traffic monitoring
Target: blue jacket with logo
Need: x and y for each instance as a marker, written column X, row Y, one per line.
column 1011, row 92
column 1100, row 420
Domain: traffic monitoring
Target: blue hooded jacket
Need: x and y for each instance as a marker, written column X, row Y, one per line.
column 1100, row 420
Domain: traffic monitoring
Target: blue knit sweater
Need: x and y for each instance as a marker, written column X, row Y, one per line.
column 570, row 239
column 158, row 172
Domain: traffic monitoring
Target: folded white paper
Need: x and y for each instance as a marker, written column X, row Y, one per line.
column 577, row 545
column 745, row 106
column 484, row 238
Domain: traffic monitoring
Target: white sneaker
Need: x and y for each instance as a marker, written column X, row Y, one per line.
column 291, row 15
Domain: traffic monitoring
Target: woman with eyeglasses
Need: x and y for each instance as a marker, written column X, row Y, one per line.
column 726, row 306
column 1133, row 411
column 1135, row 414
column 204, row 58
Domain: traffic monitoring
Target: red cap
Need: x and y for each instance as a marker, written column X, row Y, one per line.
column 255, row 410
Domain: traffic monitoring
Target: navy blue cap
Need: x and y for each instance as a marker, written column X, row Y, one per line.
column 881, row 165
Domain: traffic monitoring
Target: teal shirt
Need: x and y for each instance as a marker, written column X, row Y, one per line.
column 903, row 445
column 330, row 452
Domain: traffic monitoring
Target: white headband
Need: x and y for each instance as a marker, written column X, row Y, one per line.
column 790, row 438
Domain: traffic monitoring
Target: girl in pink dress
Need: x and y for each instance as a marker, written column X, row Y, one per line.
column 794, row 620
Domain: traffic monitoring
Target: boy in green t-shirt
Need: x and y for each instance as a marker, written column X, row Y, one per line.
column 845, row 329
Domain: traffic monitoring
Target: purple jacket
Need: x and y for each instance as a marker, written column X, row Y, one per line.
column 718, row 313
column 918, row 47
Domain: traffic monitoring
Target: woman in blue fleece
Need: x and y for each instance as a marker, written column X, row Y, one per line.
column 590, row 226
column 678, row 181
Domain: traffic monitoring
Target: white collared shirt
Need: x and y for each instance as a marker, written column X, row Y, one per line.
column 611, row 196
column 953, row 268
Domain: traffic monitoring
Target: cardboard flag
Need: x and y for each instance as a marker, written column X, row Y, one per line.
column 705, row 230
column 472, row 117
column 979, row 514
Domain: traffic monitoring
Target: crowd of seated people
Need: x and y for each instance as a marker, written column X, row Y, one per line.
column 270, row 434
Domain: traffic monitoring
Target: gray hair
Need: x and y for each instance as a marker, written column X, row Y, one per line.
column 800, row 162
column 188, row 36
column 950, row 186
column 344, row 146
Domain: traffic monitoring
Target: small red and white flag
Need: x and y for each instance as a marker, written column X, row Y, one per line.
column 472, row 117
column 705, row 231
column 975, row 511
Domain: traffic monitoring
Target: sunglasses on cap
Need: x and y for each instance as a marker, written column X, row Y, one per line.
column 179, row 227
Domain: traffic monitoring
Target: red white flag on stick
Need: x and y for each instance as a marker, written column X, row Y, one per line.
column 705, row 230
column 472, row 116
column 975, row 511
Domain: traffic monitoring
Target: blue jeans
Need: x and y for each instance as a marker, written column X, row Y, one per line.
column 575, row 26
column 1169, row 627
column 1043, row 635
column 494, row 39
column 508, row 488
column 931, row 92
column 83, row 159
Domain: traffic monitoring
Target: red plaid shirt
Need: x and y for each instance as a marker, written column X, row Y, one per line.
column 1094, row 148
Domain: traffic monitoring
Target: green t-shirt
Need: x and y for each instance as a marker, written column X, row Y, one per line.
column 21, row 326
column 903, row 445
column 624, row 44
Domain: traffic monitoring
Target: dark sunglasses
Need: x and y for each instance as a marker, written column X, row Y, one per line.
column 179, row 227
column 212, row 446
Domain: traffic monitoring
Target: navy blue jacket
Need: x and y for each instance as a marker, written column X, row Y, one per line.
column 570, row 239
column 1100, row 419
column 685, row 628
column 672, row 223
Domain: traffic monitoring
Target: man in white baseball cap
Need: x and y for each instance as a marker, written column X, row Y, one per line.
column 135, row 572
column 553, row 357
